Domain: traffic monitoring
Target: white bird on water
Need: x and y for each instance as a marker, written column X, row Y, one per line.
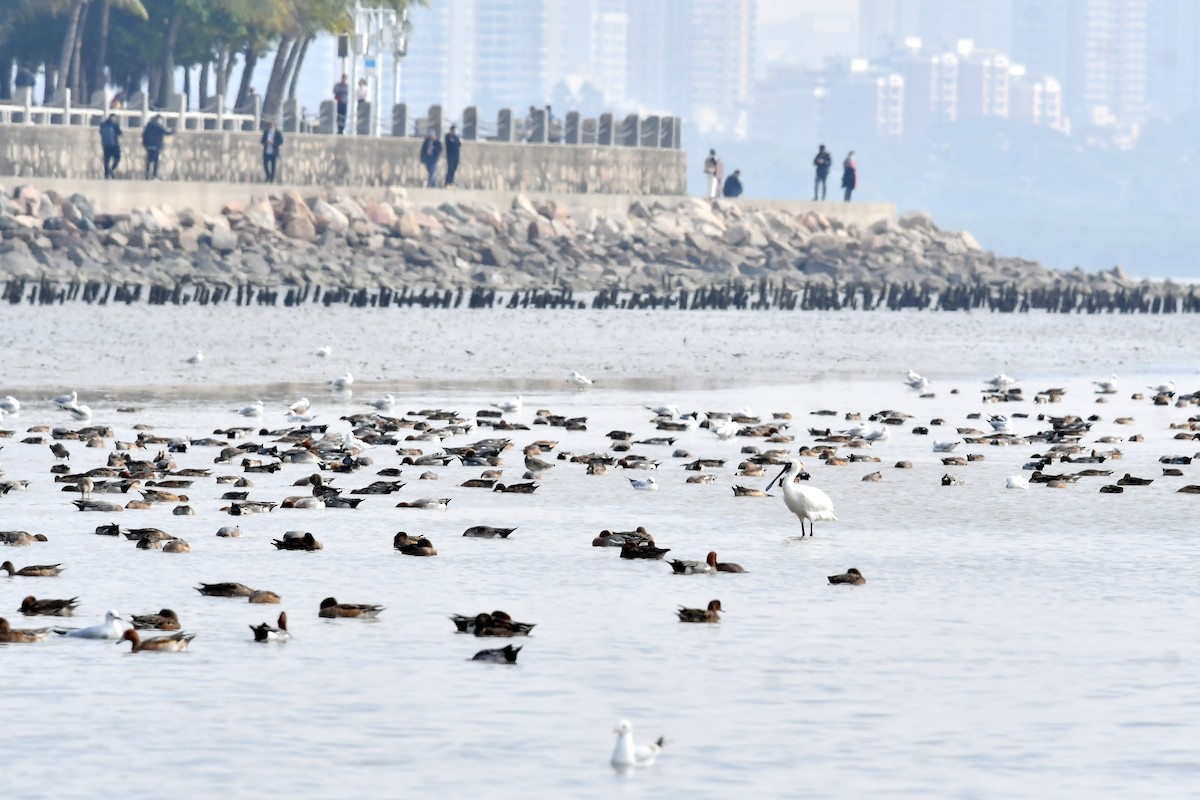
column 343, row 382
column 1000, row 423
column 195, row 358
column 1109, row 386
column 510, row 405
column 255, row 409
column 647, row 485
column 1164, row 388
column 324, row 352
column 581, row 381
column 1016, row 482
column 1001, row 382
column 112, row 628
column 64, row 400
column 10, row 405
column 945, row 447
column 300, row 407
column 628, row 755
column 806, row 502
column 383, row 403
column 916, row 381
column 81, row 413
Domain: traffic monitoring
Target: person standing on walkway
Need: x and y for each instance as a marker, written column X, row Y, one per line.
column 822, row 162
column 711, row 165
column 272, row 140
column 849, row 175
column 453, row 145
column 110, row 143
column 152, row 139
column 341, row 94
column 733, row 184
column 431, row 150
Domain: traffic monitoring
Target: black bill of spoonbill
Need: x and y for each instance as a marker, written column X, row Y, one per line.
column 806, row 502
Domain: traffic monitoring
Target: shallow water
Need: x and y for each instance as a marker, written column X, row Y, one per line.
column 1007, row 642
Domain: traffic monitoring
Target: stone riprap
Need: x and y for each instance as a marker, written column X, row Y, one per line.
column 332, row 240
column 311, row 160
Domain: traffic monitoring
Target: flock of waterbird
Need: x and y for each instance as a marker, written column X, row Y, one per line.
column 423, row 439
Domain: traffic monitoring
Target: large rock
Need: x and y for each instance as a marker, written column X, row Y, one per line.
column 222, row 239
column 381, row 214
column 261, row 214
column 540, row 228
column 407, row 226
column 329, row 218
column 300, row 227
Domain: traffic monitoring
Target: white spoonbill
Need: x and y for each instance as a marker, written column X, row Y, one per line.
column 627, row 754
column 806, row 502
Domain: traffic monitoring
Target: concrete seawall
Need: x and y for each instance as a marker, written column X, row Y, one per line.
column 312, row 161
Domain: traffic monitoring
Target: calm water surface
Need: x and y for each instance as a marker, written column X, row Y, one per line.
column 1007, row 643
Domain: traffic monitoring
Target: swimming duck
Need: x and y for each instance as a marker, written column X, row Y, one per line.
column 10, row 635
column 32, row 571
column 627, row 755
column 296, row 540
column 263, row 596
column 164, row 620
column 722, row 566
column 516, row 488
column 692, row 567
column 224, row 589
column 422, row 547
column 497, row 623
column 177, row 546
column 850, row 576
column 97, row 505
column 709, row 614
column 331, row 608
column 503, row 655
column 487, row 532
column 1129, row 480
column 267, row 633
column 429, row 503
column 632, row 550
column 32, row 607
column 21, row 538
column 175, row 643
column 746, row 491
column 111, row 628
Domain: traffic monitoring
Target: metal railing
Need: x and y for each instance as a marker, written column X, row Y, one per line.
column 62, row 111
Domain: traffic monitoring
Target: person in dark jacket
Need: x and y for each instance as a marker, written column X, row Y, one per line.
column 849, row 175
column 453, row 145
column 153, row 136
column 110, row 143
column 272, row 140
column 431, row 150
column 822, row 162
column 341, row 94
column 733, row 184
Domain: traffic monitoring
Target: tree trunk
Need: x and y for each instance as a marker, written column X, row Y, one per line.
column 284, row 57
column 225, row 63
column 77, row 83
column 68, row 47
column 50, row 83
column 251, row 61
column 291, row 92
column 167, row 88
column 202, row 90
column 98, row 77
column 6, row 78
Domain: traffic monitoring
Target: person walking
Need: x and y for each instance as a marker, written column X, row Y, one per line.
column 431, row 150
column 341, row 94
column 110, row 144
column 272, row 140
column 733, row 184
column 849, row 175
column 711, row 165
column 452, row 145
column 822, row 162
column 153, row 136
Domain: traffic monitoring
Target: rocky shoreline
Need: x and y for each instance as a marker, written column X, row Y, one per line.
column 690, row 253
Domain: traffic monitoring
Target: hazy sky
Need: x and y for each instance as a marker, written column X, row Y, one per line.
column 773, row 11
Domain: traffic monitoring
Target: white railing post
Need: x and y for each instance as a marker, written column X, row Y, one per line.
column 66, row 107
column 28, row 106
column 258, row 106
column 182, row 111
